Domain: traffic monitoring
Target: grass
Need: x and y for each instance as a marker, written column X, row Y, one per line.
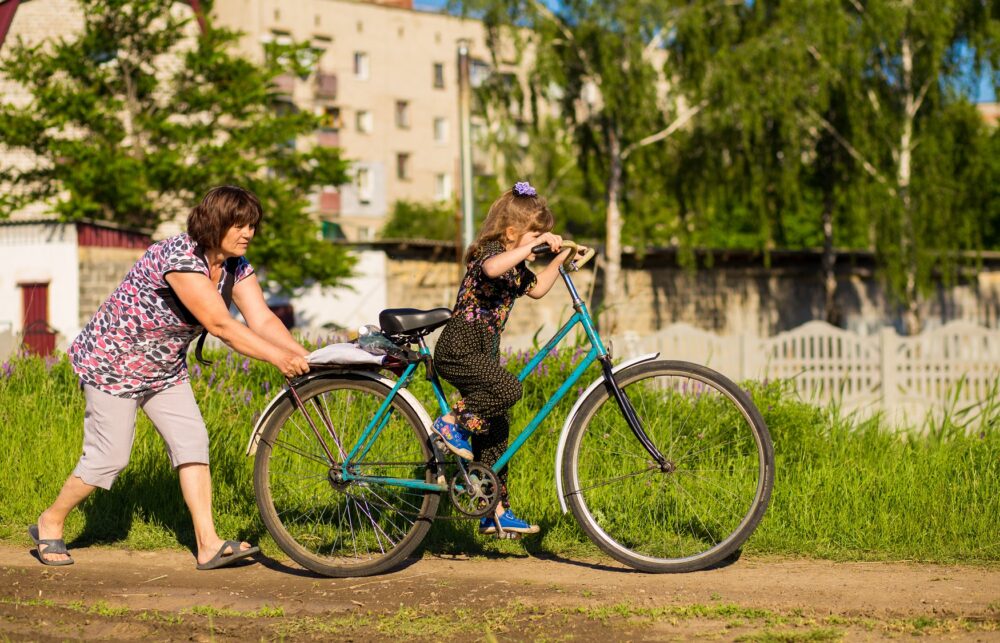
column 845, row 489
column 729, row 621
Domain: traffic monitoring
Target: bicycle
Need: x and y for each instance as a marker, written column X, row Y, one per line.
column 667, row 466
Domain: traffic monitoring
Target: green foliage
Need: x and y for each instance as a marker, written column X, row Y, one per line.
column 844, row 488
column 801, row 141
column 135, row 118
column 414, row 220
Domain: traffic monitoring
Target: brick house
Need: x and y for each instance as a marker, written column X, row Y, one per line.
column 54, row 275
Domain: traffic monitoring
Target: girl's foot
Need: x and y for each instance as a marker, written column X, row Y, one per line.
column 455, row 438
column 508, row 522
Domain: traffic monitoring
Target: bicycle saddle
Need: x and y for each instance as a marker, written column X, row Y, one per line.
column 409, row 321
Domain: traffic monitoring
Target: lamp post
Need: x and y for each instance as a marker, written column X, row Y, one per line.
column 465, row 140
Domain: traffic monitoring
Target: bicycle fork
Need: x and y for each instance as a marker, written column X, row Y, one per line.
column 634, row 423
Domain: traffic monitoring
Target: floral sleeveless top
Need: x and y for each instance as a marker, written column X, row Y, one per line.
column 137, row 342
column 489, row 300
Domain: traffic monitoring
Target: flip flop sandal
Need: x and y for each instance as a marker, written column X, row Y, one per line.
column 52, row 546
column 223, row 557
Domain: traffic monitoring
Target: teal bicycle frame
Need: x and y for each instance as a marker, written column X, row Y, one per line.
column 597, row 352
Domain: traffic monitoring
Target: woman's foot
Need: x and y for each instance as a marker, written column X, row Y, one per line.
column 508, row 522
column 223, row 553
column 455, row 437
column 49, row 529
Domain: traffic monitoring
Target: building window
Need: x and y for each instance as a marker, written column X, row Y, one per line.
column 442, row 187
column 440, row 130
column 364, row 233
column 361, row 65
column 330, row 119
column 479, row 71
column 366, row 189
column 403, row 114
column 438, row 75
column 403, row 166
column 364, row 121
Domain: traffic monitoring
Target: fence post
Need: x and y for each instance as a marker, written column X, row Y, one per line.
column 890, row 385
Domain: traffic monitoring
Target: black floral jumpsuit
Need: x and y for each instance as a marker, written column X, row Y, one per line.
column 467, row 355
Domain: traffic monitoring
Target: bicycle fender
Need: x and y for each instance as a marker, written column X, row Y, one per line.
column 406, row 395
column 564, row 435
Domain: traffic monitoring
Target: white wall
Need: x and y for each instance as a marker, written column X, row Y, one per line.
column 358, row 302
column 40, row 253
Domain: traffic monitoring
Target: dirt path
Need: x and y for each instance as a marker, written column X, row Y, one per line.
column 115, row 594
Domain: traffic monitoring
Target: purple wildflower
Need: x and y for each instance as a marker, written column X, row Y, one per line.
column 8, row 369
column 248, row 398
column 196, row 370
column 245, row 366
column 50, row 361
column 267, row 387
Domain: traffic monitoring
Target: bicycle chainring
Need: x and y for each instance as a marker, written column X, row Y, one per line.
column 480, row 496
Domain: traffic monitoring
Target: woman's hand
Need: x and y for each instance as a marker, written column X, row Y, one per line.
column 289, row 363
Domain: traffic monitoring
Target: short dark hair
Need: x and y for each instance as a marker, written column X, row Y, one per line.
column 222, row 208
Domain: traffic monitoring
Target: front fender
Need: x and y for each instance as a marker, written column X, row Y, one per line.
column 576, row 409
column 403, row 393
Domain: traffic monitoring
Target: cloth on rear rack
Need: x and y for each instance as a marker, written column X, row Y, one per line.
column 345, row 353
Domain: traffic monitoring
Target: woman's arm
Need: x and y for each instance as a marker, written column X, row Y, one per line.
column 199, row 296
column 249, row 298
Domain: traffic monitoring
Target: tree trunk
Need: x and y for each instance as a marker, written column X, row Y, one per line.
column 907, row 243
column 613, row 250
column 830, row 312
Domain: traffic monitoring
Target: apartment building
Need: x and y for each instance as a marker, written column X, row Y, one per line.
column 384, row 79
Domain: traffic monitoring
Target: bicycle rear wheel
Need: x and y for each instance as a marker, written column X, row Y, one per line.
column 333, row 527
column 704, row 502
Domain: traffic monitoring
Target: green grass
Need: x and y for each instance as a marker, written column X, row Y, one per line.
column 844, row 489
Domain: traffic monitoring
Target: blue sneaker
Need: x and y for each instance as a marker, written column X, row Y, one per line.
column 455, row 438
column 508, row 522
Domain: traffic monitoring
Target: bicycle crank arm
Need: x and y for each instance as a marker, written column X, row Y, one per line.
column 629, row 412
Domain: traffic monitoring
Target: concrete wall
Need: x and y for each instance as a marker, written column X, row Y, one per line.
column 101, row 270
column 357, row 303
column 736, row 296
column 40, row 253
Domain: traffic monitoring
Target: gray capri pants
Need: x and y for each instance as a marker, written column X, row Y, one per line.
column 109, row 431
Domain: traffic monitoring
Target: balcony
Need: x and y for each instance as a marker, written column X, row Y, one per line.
column 326, row 86
column 327, row 138
column 329, row 202
column 284, row 85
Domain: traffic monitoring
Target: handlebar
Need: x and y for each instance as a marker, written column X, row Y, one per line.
column 572, row 262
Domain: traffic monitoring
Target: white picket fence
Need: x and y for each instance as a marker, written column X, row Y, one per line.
column 955, row 366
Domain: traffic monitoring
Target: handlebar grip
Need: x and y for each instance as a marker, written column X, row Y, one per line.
column 541, row 248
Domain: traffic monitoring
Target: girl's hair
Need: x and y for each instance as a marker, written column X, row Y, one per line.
column 222, row 208
column 525, row 213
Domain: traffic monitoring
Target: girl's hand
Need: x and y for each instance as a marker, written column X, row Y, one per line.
column 554, row 241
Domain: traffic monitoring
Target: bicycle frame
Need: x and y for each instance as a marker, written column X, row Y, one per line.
column 597, row 352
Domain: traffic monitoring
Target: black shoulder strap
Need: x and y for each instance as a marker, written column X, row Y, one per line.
column 227, row 298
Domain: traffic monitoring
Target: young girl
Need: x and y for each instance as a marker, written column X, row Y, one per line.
column 467, row 354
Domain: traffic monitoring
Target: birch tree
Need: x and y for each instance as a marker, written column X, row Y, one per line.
column 605, row 67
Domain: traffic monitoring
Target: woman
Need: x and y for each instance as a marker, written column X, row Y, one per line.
column 133, row 353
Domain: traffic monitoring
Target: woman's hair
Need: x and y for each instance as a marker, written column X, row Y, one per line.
column 524, row 212
column 222, row 208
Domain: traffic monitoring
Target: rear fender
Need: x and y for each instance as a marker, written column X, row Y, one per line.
column 571, row 416
column 286, row 394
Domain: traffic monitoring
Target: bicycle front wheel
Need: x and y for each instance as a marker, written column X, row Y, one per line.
column 326, row 524
column 698, row 507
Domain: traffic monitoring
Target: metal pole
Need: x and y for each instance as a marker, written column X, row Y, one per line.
column 465, row 140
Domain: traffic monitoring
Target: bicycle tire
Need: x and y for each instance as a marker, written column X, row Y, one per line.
column 343, row 529
column 669, row 521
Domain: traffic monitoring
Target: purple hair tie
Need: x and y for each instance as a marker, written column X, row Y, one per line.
column 523, row 188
